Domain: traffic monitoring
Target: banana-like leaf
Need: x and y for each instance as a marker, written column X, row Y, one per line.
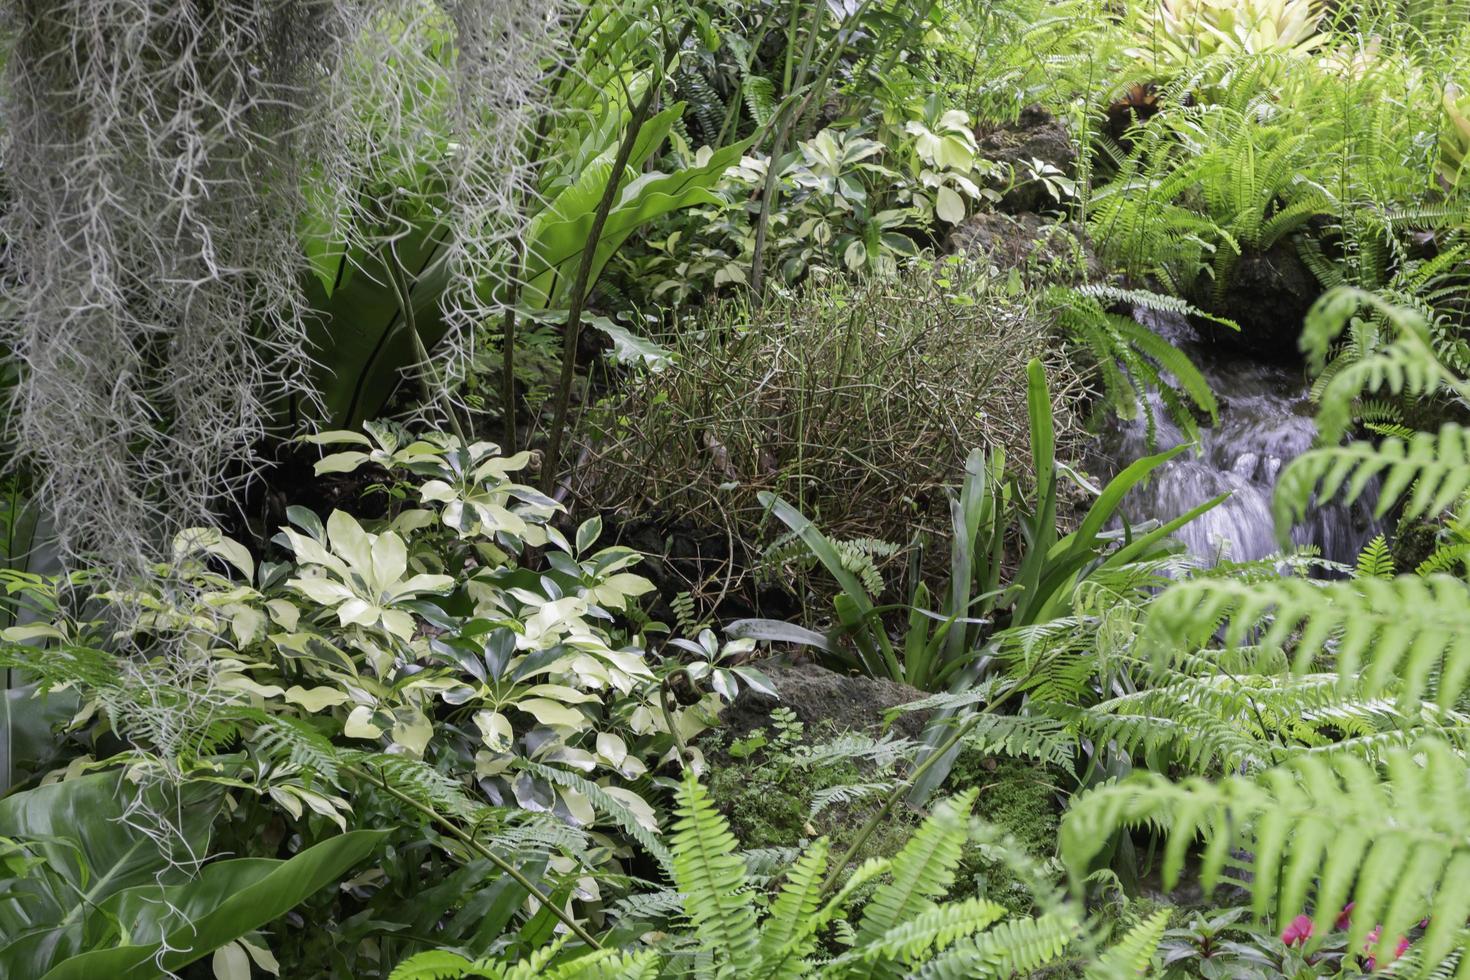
column 90, row 854
column 558, row 235
column 356, row 327
column 227, row 900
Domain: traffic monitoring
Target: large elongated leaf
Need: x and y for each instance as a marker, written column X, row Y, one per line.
column 227, row 900
column 358, row 335
column 91, row 854
column 558, row 235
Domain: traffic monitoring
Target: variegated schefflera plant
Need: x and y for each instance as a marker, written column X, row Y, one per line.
column 420, row 634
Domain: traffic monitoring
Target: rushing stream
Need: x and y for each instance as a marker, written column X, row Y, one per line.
column 1265, row 421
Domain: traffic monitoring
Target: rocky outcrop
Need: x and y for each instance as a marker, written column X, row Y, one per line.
column 1015, row 235
column 1036, row 135
column 1042, row 249
column 825, row 699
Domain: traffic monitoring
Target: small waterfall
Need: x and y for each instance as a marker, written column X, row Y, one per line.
column 1265, row 422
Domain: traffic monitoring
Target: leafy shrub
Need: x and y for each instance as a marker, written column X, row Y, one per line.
column 858, row 402
column 854, row 198
column 412, row 656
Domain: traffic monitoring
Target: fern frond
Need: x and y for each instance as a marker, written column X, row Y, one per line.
column 439, row 964
column 1023, row 736
column 1375, row 561
column 1014, row 947
column 1408, row 633
column 922, row 871
column 1397, row 845
column 847, row 794
column 613, row 808
column 1449, row 558
column 934, row 929
column 1133, row 954
column 711, row 877
column 789, row 934
column 760, row 98
column 1406, row 365
column 1434, row 465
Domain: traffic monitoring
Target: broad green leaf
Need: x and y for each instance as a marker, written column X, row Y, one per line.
column 227, row 900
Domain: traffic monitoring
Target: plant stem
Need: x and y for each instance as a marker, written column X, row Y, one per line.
column 666, row 702
column 405, row 304
column 568, row 920
column 573, row 331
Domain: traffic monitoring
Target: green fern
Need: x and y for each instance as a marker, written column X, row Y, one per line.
column 607, row 804
column 915, row 937
column 921, row 872
column 1133, row 359
column 1133, row 954
column 607, row 964
column 1407, row 365
column 1334, row 829
column 711, row 876
column 1410, row 633
column 1433, row 469
column 1375, row 561
column 1012, row 948
column 759, row 93
column 789, row 937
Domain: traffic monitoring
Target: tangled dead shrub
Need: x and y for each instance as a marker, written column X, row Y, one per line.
column 857, row 400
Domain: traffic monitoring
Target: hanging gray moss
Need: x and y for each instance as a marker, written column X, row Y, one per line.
column 161, row 157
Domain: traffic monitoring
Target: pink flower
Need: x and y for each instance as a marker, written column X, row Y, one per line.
column 1345, row 917
column 1371, row 962
column 1298, row 931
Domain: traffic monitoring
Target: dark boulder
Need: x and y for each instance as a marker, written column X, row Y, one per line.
column 1268, row 295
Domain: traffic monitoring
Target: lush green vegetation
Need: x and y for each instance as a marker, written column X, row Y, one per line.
column 609, row 488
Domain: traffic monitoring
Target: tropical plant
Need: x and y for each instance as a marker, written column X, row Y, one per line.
column 87, row 893
column 1133, row 361
column 418, row 635
column 1176, row 35
column 367, row 339
column 1204, row 185
column 858, row 197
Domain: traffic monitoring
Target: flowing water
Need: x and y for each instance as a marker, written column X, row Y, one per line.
column 1265, row 422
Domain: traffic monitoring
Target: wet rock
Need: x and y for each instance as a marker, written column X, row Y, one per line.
column 1036, row 135
column 825, row 699
column 1268, row 295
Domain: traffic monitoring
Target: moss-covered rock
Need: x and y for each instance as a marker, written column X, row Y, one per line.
column 1019, row 798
